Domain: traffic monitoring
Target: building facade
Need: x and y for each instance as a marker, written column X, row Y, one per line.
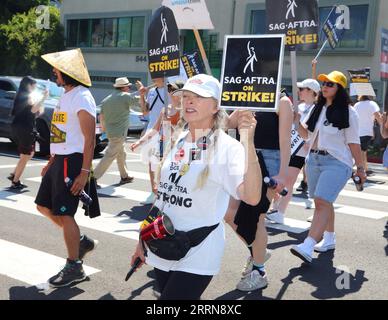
column 113, row 37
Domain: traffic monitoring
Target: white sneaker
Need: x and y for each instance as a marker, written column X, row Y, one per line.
column 310, row 218
column 150, row 199
column 276, row 217
column 324, row 245
column 249, row 265
column 253, row 281
column 300, row 253
column 308, row 203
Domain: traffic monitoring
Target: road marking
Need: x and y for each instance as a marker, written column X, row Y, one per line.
column 37, row 164
column 135, row 174
column 30, row 265
column 348, row 210
column 107, row 190
column 117, row 225
column 290, row 225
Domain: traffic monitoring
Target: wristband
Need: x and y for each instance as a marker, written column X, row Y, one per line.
column 86, row 170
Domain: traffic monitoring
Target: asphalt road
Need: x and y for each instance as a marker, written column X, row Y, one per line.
column 32, row 249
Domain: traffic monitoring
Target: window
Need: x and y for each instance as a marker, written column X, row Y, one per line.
column 126, row 32
column 97, row 32
column 258, row 22
column 72, row 33
column 110, row 33
column 84, row 33
column 137, row 32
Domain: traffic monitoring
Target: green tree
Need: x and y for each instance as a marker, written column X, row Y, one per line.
column 9, row 8
column 22, row 44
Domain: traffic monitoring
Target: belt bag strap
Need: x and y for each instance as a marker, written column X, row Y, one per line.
column 196, row 236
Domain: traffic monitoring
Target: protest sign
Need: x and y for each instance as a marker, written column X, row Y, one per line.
column 298, row 19
column 360, row 83
column 163, row 44
column 251, row 72
column 191, row 65
column 190, row 14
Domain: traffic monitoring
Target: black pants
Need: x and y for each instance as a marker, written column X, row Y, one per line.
column 178, row 285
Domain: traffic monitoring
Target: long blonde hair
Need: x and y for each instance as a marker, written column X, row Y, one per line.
column 219, row 124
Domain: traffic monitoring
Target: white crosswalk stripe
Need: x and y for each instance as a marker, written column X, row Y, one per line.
column 25, row 264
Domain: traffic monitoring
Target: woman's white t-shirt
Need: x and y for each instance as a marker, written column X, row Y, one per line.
column 66, row 134
column 189, row 207
column 335, row 141
column 304, row 110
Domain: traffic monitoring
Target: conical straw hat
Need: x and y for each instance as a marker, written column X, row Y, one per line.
column 70, row 62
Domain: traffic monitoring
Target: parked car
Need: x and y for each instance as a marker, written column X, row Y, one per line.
column 137, row 122
column 8, row 88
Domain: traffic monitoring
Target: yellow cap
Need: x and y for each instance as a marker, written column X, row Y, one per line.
column 70, row 62
column 335, row 76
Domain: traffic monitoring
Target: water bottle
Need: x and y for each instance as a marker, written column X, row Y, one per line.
column 272, row 183
column 83, row 196
column 357, row 182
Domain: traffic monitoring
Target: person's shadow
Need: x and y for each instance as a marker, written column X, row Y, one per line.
column 34, row 293
column 329, row 282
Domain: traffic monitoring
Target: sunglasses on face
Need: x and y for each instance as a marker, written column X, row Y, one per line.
column 328, row 84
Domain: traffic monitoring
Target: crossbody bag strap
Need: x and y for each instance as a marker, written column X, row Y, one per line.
column 196, row 236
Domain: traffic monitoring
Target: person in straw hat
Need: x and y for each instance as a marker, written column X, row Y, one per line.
column 72, row 147
column 114, row 118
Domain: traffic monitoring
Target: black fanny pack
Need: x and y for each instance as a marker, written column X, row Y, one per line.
column 176, row 246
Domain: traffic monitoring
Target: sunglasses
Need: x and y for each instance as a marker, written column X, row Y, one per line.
column 328, row 84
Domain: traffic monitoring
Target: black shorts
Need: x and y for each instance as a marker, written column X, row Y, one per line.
column 247, row 216
column 24, row 139
column 365, row 142
column 297, row 162
column 53, row 192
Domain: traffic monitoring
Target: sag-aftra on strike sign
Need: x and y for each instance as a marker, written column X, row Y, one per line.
column 297, row 19
column 163, row 44
column 251, row 72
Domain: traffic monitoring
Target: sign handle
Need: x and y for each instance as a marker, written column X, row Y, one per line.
column 320, row 51
column 294, row 80
column 203, row 52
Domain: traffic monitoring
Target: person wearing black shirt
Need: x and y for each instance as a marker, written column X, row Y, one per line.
column 25, row 108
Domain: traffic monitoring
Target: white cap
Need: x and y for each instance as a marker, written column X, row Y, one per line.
column 311, row 84
column 203, row 85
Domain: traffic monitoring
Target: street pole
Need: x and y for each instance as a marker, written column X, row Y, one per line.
column 294, row 79
column 203, row 52
column 321, row 50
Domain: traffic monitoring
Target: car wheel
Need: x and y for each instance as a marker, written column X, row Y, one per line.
column 44, row 133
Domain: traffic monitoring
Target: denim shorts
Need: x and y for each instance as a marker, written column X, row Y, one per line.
column 385, row 158
column 326, row 176
column 272, row 161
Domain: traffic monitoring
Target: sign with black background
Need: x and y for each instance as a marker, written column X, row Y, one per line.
column 192, row 64
column 297, row 19
column 163, row 44
column 251, row 72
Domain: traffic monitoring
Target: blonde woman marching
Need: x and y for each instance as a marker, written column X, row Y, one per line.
column 200, row 171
